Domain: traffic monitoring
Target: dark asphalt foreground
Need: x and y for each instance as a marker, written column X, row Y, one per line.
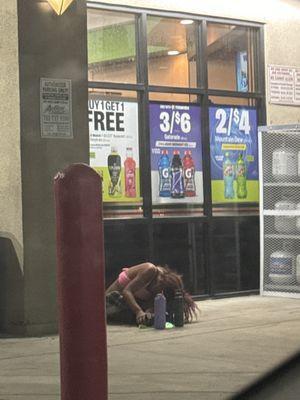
column 235, row 341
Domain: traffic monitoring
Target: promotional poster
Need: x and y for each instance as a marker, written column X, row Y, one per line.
column 234, row 154
column 176, row 153
column 242, row 71
column 114, row 148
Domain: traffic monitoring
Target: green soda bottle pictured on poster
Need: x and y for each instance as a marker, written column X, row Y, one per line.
column 228, row 176
column 241, row 179
column 114, row 169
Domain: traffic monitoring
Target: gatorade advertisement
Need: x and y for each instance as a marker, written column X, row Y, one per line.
column 234, row 154
column 176, row 153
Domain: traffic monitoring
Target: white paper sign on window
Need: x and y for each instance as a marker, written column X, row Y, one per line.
column 284, row 85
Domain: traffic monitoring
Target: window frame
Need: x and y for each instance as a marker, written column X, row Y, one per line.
column 202, row 91
column 207, row 220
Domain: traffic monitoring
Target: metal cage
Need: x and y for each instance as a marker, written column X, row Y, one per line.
column 279, row 173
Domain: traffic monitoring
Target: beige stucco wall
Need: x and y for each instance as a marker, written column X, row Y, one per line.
column 240, row 9
column 10, row 160
column 11, row 227
column 282, row 32
column 282, row 48
column 50, row 46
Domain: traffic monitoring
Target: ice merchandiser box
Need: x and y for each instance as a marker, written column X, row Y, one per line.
column 279, row 182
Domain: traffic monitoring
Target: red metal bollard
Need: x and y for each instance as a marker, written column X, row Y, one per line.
column 80, row 284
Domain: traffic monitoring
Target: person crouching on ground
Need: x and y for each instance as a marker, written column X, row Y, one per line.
column 130, row 298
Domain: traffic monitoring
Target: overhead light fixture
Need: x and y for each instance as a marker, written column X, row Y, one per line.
column 173, row 53
column 186, row 21
column 60, row 6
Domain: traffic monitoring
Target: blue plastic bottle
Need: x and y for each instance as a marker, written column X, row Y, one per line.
column 159, row 311
column 228, row 177
column 164, row 175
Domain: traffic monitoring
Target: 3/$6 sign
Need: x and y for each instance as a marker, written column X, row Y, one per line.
column 170, row 120
column 176, row 153
column 227, row 117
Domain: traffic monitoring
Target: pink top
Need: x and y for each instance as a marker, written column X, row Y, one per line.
column 123, row 278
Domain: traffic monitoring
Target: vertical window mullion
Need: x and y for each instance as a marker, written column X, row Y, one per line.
column 144, row 115
column 202, row 79
column 207, row 202
column 261, row 71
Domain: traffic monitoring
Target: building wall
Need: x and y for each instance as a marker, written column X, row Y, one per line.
column 11, row 234
column 282, row 48
column 51, row 46
column 282, row 32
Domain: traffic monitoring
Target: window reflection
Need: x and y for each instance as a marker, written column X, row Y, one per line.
column 111, row 46
column 230, row 51
column 171, row 52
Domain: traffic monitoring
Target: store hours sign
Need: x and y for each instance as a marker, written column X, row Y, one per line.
column 234, row 154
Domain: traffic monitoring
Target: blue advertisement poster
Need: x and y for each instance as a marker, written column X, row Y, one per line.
column 176, row 153
column 242, row 71
column 234, row 154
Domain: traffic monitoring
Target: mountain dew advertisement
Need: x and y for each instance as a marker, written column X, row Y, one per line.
column 234, row 154
column 114, row 148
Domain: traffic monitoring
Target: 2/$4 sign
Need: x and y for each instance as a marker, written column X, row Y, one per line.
column 234, row 154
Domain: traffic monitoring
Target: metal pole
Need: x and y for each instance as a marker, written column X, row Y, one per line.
column 80, row 284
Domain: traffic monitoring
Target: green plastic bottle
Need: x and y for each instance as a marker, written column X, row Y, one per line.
column 241, row 179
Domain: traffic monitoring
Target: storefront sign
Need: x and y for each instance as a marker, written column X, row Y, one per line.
column 176, row 153
column 234, row 154
column 284, row 85
column 114, row 148
column 56, row 108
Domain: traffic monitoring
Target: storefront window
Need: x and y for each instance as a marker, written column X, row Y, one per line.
column 231, row 57
column 171, row 52
column 111, row 46
column 171, row 161
column 173, row 243
column 114, row 151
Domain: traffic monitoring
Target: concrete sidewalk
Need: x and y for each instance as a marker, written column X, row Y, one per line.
column 235, row 341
